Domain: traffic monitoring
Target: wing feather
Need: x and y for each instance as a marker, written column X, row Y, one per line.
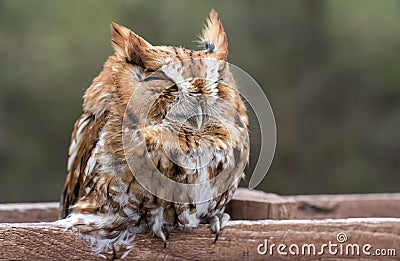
column 81, row 159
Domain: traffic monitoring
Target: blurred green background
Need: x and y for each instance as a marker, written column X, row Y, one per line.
column 331, row 70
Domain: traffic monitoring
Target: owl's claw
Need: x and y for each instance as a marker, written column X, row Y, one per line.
column 216, row 237
column 217, row 223
column 163, row 235
column 166, row 239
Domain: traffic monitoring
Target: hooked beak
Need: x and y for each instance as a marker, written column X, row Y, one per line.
column 199, row 120
column 199, row 117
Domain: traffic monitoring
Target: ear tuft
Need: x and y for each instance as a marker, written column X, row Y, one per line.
column 120, row 40
column 132, row 48
column 213, row 38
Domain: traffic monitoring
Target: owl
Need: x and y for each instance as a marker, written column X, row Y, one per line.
column 161, row 144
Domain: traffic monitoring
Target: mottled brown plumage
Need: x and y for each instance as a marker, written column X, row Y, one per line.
column 102, row 197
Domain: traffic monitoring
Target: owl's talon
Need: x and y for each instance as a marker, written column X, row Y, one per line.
column 217, row 223
column 164, row 236
column 216, row 238
column 166, row 233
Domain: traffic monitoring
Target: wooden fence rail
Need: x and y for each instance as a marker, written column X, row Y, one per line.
column 353, row 226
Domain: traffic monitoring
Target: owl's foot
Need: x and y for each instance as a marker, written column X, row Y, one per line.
column 166, row 239
column 167, row 233
column 163, row 233
column 217, row 223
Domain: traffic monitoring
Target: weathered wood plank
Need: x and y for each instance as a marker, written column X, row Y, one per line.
column 346, row 206
column 257, row 205
column 239, row 241
column 28, row 212
column 253, row 205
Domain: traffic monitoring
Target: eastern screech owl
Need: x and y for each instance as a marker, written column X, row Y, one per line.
column 194, row 130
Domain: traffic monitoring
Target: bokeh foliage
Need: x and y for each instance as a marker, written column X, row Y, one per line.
column 331, row 70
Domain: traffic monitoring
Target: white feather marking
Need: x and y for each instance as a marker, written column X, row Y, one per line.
column 211, row 68
column 91, row 163
column 76, row 142
column 102, row 138
column 191, row 219
column 158, row 223
column 106, row 243
column 163, row 60
column 174, row 72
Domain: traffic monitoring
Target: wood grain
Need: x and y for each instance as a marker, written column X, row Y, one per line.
column 28, row 212
column 257, row 205
column 239, row 241
column 347, row 206
column 253, row 205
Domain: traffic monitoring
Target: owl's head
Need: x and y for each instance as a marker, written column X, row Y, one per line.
column 134, row 49
column 188, row 82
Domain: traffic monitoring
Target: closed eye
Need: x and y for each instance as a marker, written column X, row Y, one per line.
column 156, row 76
column 153, row 78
